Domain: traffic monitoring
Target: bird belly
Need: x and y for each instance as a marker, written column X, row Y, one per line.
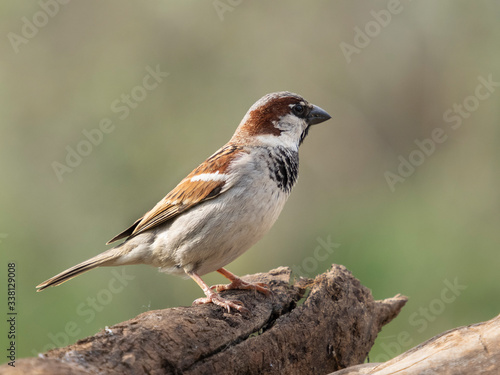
column 216, row 232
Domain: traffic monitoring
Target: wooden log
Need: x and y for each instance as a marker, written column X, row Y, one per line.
column 473, row 349
column 332, row 328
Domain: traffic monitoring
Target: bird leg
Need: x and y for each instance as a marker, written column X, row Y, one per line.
column 213, row 297
column 237, row 283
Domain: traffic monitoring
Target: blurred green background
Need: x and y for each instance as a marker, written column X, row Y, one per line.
column 388, row 74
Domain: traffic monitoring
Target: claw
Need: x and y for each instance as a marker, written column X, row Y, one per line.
column 219, row 301
column 236, row 283
column 240, row 284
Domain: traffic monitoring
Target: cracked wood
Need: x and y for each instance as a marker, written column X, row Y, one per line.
column 333, row 328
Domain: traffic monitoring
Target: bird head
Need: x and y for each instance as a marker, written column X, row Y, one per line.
column 279, row 119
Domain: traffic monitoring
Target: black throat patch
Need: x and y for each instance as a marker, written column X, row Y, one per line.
column 283, row 167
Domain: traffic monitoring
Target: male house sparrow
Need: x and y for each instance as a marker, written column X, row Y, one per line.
column 224, row 206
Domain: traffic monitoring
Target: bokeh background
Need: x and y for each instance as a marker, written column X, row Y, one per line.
column 431, row 234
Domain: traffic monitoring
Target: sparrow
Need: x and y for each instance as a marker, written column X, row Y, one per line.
column 221, row 208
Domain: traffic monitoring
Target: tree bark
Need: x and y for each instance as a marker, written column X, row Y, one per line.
column 473, row 349
column 332, row 328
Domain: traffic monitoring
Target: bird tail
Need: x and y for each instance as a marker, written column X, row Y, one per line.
column 104, row 259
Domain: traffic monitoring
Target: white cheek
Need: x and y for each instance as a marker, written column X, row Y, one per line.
column 291, row 130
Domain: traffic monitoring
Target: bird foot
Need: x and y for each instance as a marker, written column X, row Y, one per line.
column 219, row 301
column 240, row 284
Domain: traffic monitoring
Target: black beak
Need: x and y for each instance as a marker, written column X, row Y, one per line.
column 317, row 115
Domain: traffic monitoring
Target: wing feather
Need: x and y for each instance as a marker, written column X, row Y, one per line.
column 206, row 182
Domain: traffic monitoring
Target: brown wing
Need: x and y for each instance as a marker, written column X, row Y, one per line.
column 188, row 193
column 126, row 233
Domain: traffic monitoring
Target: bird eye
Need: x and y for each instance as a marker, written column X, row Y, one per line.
column 298, row 109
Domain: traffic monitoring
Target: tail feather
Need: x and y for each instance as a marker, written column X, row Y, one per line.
column 99, row 260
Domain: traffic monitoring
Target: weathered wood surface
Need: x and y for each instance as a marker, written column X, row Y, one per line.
column 334, row 327
column 470, row 350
